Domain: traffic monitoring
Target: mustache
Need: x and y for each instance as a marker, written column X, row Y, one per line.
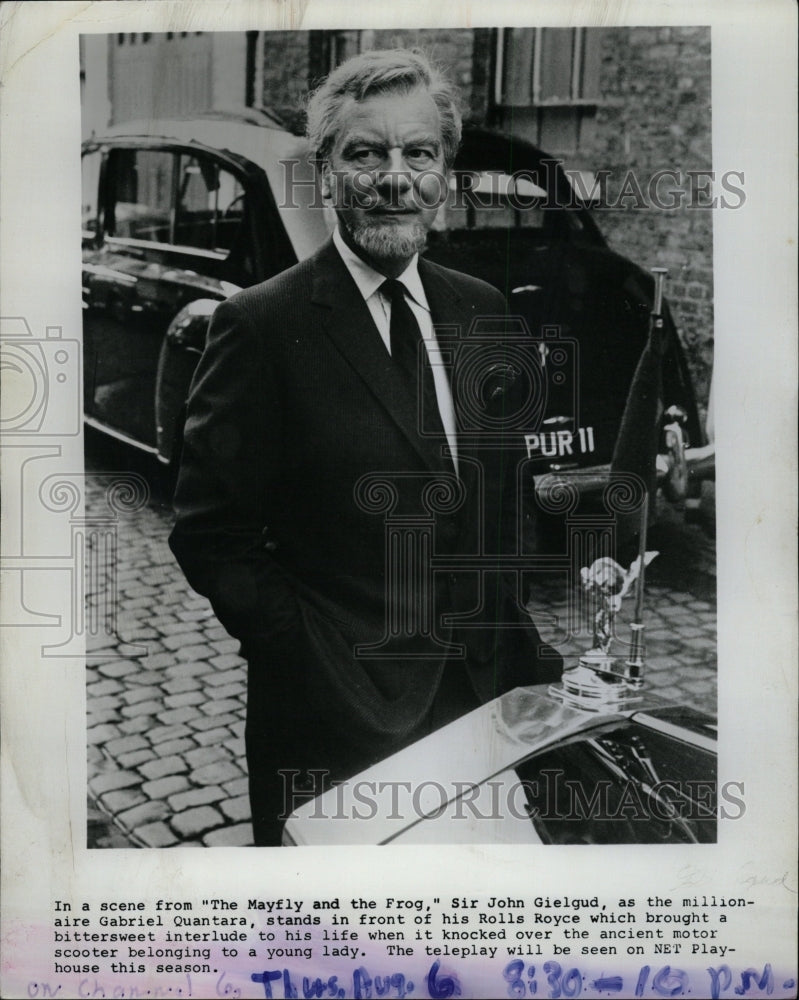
column 393, row 208
column 427, row 191
column 372, row 201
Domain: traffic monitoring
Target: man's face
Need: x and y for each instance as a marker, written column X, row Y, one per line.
column 385, row 175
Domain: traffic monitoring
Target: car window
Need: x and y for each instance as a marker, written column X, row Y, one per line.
column 494, row 199
column 140, row 194
column 177, row 199
column 90, row 179
column 210, row 205
column 491, row 199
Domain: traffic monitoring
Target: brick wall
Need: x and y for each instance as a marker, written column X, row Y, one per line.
column 286, row 71
column 655, row 114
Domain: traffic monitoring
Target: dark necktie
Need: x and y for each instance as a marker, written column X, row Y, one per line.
column 410, row 358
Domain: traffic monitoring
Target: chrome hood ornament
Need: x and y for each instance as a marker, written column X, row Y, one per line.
column 601, row 681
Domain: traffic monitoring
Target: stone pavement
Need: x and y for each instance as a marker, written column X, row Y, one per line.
column 165, row 729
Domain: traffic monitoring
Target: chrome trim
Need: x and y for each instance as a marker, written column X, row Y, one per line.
column 701, row 461
column 681, row 733
column 589, row 479
column 177, row 248
column 103, row 271
column 120, row 436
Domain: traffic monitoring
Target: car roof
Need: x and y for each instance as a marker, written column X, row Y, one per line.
column 263, row 143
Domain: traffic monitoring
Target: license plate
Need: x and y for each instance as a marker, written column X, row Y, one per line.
column 560, row 443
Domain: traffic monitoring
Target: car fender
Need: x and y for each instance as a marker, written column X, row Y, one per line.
column 181, row 349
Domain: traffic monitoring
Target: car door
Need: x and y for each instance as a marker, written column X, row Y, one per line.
column 171, row 224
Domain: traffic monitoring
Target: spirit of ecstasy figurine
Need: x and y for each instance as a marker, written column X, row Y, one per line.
column 607, row 583
column 601, row 682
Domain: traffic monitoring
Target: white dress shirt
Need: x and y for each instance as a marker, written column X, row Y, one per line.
column 369, row 281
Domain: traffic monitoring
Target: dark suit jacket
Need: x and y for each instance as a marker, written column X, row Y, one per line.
column 295, row 400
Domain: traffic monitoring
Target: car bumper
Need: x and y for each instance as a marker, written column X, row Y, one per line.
column 674, row 474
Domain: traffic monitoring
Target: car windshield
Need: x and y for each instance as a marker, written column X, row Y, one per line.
column 487, row 199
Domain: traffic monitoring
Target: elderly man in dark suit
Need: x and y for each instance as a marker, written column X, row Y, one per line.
column 323, row 404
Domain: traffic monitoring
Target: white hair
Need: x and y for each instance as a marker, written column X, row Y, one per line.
column 377, row 72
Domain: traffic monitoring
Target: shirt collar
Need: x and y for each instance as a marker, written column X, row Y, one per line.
column 368, row 280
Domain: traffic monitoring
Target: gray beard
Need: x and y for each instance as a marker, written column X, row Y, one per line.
column 390, row 242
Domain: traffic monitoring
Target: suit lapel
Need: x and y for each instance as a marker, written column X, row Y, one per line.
column 452, row 318
column 348, row 323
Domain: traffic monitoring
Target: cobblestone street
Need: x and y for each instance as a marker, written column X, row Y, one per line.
column 166, row 726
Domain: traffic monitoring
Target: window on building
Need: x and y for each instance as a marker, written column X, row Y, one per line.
column 344, row 45
column 328, row 49
column 546, row 84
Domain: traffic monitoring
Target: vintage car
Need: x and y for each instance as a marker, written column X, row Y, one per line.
column 178, row 215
